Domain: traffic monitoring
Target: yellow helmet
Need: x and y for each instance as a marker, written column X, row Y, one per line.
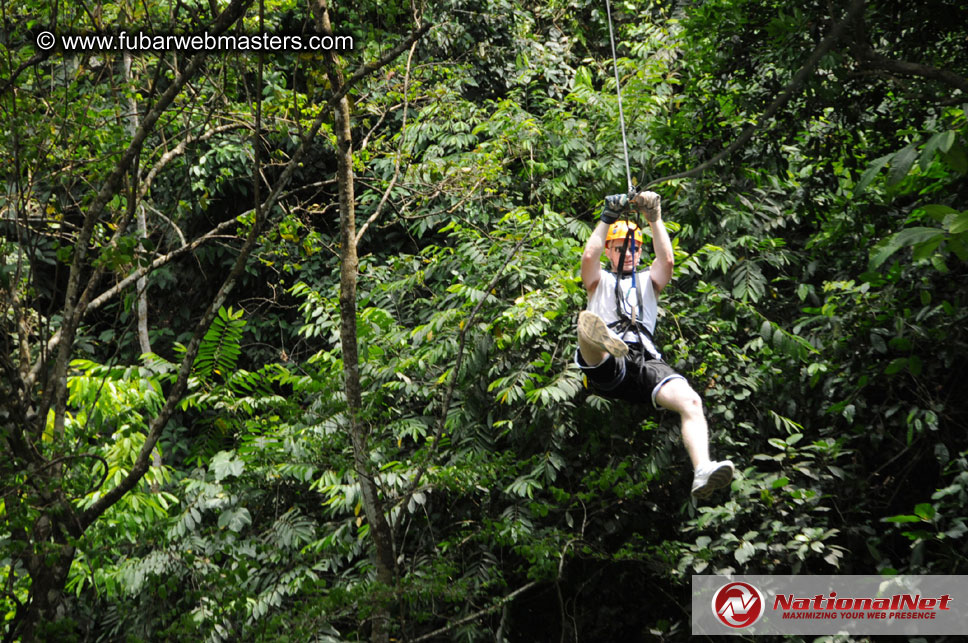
column 620, row 229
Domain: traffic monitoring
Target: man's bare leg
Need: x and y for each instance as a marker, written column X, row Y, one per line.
column 676, row 395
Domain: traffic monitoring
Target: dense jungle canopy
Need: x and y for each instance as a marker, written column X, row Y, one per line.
column 288, row 336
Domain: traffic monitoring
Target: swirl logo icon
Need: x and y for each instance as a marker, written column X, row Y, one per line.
column 738, row 604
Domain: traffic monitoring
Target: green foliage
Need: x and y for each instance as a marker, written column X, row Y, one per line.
column 220, row 348
column 818, row 307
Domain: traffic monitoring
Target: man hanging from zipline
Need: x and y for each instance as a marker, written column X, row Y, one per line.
column 616, row 351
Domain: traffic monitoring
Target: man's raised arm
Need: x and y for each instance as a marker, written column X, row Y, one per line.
column 591, row 258
column 649, row 203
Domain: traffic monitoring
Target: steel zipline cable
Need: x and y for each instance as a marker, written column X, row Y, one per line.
column 618, row 90
column 630, row 321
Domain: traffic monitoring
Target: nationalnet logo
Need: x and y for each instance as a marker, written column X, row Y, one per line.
column 901, row 606
column 890, row 605
column 738, row 605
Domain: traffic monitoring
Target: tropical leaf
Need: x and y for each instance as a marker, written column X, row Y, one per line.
column 220, row 348
column 870, row 173
column 916, row 236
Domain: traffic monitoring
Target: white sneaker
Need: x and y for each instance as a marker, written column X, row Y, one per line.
column 592, row 329
column 710, row 477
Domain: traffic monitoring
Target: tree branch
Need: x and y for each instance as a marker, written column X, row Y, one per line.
column 875, row 60
column 476, row 615
column 74, row 305
column 368, row 68
column 39, row 57
column 157, row 262
column 461, row 343
column 396, row 163
column 178, row 150
column 856, row 7
column 135, row 209
column 158, row 423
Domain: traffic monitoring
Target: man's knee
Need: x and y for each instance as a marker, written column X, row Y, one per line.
column 693, row 402
column 677, row 395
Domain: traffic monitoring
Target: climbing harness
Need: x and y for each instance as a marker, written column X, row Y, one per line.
column 627, row 304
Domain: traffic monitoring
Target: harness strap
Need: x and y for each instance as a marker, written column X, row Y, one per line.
column 625, row 322
column 629, row 321
column 622, row 326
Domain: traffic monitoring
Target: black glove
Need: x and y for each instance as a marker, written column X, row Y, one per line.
column 615, row 206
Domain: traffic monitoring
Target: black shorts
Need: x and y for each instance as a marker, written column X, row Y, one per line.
column 627, row 379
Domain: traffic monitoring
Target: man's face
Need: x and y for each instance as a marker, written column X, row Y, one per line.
column 613, row 250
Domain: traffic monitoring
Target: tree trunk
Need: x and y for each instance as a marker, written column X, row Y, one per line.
column 131, row 120
column 46, row 541
column 372, row 503
column 48, row 561
column 48, row 575
column 144, row 341
column 383, row 558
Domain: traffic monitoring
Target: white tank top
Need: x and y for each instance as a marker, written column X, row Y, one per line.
column 643, row 300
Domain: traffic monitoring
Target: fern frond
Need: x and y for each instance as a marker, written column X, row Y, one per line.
column 221, row 346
